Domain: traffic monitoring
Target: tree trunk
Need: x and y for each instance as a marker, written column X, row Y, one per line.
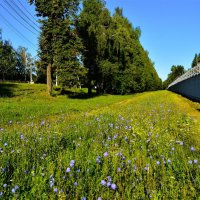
column 49, row 79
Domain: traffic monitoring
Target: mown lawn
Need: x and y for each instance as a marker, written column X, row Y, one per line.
column 143, row 146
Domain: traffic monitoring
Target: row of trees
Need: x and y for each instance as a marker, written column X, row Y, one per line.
column 92, row 47
column 178, row 70
column 14, row 64
column 196, row 60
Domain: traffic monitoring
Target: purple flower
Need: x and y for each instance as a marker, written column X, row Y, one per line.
column 195, row 161
column 169, row 161
column 158, row 162
column 113, row 186
column 190, row 162
column 75, row 184
column 109, row 184
column 99, row 198
column 83, row 198
column 68, row 169
column 72, row 162
column 42, row 123
column 109, row 178
column 55, row 190
column 192, row 149
column 118, row 169
column 103, row 182
column 105, row 154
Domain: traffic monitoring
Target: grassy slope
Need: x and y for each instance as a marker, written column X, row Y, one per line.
column 152, row 141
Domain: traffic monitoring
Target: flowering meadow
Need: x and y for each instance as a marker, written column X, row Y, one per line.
column 142, row 146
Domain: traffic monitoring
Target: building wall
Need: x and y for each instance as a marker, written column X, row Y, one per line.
column 189, row 87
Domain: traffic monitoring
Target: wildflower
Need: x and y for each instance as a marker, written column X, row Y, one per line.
column 98, row 160
column 5, row 185
column 42, row 123
column 78, row 170
column 172, row 148
column 75, row 183
column 115, row 136
column 51, row 183
column 21, row 137
column 103, row 182
column 192, row 149
column 55, row 190
column 68, row 169
column 5, row 144
column 195, row 161
column 169, row 161
column 83, row 198
column 111, row 125
column 118, row 169
column 105, row 154
column 181, row 143
column 190, row 162
column 146, row 169
column 158, row 162
column 99, row 198
column 1, row 194
column 113, row 186
column 109, row 178
column 109, row 184
column 72, row 162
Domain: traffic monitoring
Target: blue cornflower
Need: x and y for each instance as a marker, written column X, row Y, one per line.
column 109, row 184
column 75, row 183
column 113, row 186
column 169, row 161
column 83, row 198
column 72, row 162
column 55, row 190
column 68, row 169
column 195, row 161
column 103, row 182
column 105, row 154
column 190, row 162
column 192, row 149
column 51, row 183
column 158, row 162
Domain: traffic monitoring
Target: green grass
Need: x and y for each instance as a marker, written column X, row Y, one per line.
column 146, row 144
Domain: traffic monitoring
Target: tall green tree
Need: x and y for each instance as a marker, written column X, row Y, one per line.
column 196, row 60
column 8, row 60
column 58, row 47
column 176, row 71
column 93, row 23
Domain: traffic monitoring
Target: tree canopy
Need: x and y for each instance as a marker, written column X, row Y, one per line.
column 176, row 71
column 196, row 60
column 105, row 47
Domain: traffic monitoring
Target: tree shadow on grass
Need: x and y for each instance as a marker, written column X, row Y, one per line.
column 78, row 94
column 7, row 89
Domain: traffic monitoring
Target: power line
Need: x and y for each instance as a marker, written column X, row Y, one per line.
column 24, row 13
column 16, row 31
column 17, row 19
column 26, row 10
column 19, row 15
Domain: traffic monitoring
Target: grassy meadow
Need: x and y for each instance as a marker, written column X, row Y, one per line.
column 142, row 146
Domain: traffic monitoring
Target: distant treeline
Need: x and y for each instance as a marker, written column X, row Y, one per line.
column 14, row 64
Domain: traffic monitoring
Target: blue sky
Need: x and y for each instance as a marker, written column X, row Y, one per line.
column 170, row 29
